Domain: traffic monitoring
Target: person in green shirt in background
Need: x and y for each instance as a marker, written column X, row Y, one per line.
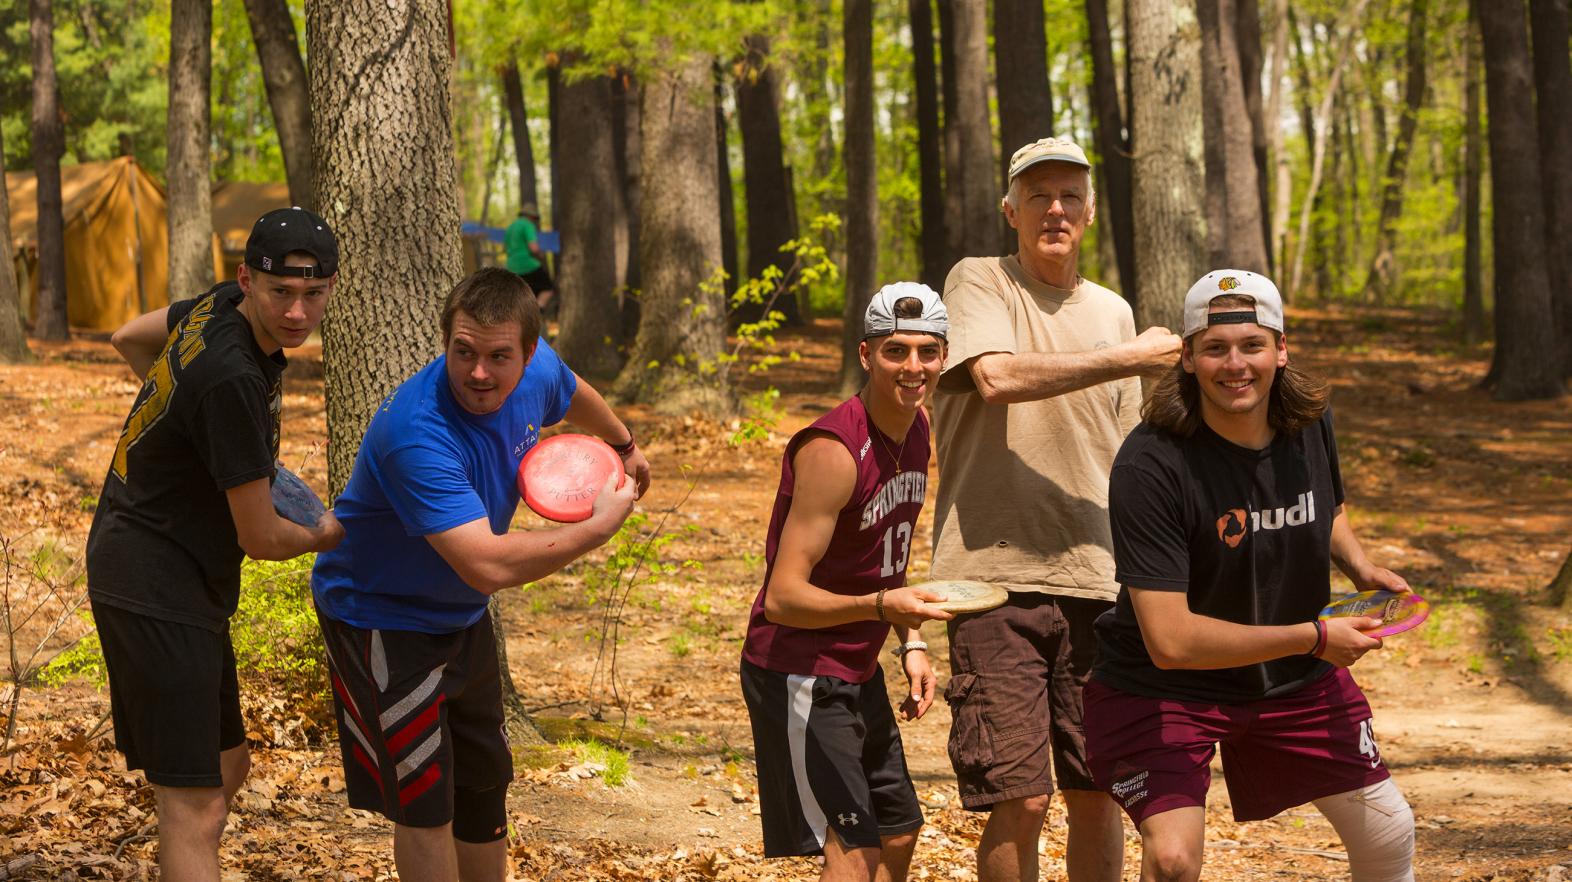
column 524, row 255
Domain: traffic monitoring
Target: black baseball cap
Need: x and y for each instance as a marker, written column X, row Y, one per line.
column 284, row 230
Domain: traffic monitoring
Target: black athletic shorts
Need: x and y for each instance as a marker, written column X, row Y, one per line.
column 419, row 715
column 539, row 280
column 173, row 695
column 829, row 755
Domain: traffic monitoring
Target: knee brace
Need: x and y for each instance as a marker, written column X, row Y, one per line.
column 480, row 816
column 1377, row 828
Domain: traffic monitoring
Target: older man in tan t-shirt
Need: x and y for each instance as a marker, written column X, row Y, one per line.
column 1042, row 385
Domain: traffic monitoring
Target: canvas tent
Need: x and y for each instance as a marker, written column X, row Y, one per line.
column 116, row 241
column 236, row 206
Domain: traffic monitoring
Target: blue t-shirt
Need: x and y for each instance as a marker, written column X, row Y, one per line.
column 427, row 465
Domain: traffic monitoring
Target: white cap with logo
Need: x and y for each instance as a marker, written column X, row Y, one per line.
column 880, row 319
column 1268, row 311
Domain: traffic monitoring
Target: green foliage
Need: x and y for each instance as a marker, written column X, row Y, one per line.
column 82, row 660
column 607, row 762
column 634, row 559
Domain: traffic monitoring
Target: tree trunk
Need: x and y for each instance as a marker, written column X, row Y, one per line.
column 1473, row 214
column 1167, row 172
column 930, row 162
column 1277, row 157
column 1021, row 80
column 1553, row 87
column 772, row 220
column 1522, row 277
column 862, row 187
column 553, row 102
column 13, row 335
column 383, row 81
column 1382, row 277
column 50, row 322
column 683, row 315
column 976, row 182
column 1248, row 36
column 625, row 138
column 590, row 322
column 190, row 165
column 950, row 134
column 1561, row 585
column 518, row 122
column 728, row 198
column 284, row 75
column 1113, row 146
column 1233, row 190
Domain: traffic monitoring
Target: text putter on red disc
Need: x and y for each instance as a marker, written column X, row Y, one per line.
column 294, row 500
column 561, row 476
column 965, row 596
column 1397, row 612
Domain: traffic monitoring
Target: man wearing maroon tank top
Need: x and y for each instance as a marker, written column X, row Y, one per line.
column 832, row 773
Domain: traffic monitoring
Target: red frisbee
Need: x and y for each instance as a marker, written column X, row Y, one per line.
column 561, row 476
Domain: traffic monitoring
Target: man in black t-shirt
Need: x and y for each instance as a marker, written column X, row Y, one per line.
column 187, row 497
column 1227, row 510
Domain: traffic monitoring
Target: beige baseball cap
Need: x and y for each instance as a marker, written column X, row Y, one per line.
column 1198, row 315
column 1047, row 150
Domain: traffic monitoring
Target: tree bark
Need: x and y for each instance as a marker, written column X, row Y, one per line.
column 518, row 122
column 976, row 183
column 1233, row 190
column 51, row 321
column 950, row 138
column 1383, row 266
column 383, row 80
column 590, row 325
column 683, row 314
column 1283, row 186
column 1473, row 214
column 553, row 100
column 772, row 217
column 1021, row 80
column 930, row 161
column 1561, row 585
column 13, row 335
column 1167, row 172
column 190, row 166
column 1113, row 147
column 1553, row 87
column 728, row 199
column 862, row 187
column 284, row 76
column 1522, row 277
column 1248, row 36
column 625, row 137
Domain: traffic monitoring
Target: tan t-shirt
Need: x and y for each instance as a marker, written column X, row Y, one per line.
column 1023, row 488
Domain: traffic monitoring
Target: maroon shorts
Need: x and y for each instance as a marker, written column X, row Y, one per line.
column 1154, row 754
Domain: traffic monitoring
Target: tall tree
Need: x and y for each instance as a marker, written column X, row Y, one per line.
column 1113, row 146
column 1281, row 195
column 518, row 123
column 1553, row 88
column 976, row 182
column 1167, row 171
column 682, row 324
column 771, row 205
column 950, row 137
column 930, row 161
column 723, row 189
column 1247, row 31
column 590, row 322
column 1522, row 276
column 383, row 80
column 284, row 76
column 1021, row 78
column 625, row 136
column 51, row 322
column 1233, row 200
column 862, row 186
column 190, row 165
column 13, row 335
column 1473, row 216
column 1383, row 266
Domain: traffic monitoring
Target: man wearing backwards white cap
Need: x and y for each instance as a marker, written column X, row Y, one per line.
column 832, row 774
column 1226, row 509
column 1040, row 389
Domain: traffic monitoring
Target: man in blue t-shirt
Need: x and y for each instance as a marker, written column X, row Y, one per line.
column 402, row 601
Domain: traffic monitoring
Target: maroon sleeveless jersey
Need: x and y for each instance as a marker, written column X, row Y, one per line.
column 868, row 551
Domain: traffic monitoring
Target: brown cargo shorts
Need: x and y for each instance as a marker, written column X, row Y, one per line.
column 1015, row 697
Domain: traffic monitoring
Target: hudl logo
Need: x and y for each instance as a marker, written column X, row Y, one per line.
column 1231, row 527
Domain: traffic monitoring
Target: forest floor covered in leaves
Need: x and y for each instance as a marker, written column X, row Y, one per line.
column 1471, row 500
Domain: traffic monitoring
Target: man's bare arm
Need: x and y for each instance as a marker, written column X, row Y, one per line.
column 1010, row 377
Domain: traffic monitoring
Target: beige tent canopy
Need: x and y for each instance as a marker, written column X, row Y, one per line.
column 236, row 207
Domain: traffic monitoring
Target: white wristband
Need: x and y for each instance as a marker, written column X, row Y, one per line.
column 909, row 646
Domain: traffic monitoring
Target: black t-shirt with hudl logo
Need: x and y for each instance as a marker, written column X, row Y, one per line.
column 163, row 542
column 1246, row 534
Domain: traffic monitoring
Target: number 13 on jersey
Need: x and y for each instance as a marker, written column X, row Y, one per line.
column 900, row 533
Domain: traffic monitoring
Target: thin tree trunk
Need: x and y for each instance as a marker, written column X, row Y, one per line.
column 930, row 161
column 625, row 136
column 1303, row 94
column 1233, row 191
column 862, row 187
column 1473, row 214
column 518, row 121
column 728, row 198
column 284, row 76
column 1523, row 335
column 1167, row 169
column 976, row 181
column 951, row 134
column 683, row 316
column 553, row 102
column 1282, row 196
column 771, row 220
column 1553, row 88
column 1021, row 80
column 1113, row 203
column 13, row 335
column 1248, row 36
column 1382, row 277
column 50, row 322
column 1561, row 585
column 190, row 162
column 590, row 322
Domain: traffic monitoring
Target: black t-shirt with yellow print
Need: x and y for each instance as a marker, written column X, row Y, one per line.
column 163, row 542
column 1246, row 534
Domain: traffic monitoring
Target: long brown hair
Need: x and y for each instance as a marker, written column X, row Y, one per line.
column 1295, row 400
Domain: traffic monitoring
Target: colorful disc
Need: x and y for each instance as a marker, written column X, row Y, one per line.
column 561, row 476
column 1397, row 612
column 294, row 500
column 965, row 596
